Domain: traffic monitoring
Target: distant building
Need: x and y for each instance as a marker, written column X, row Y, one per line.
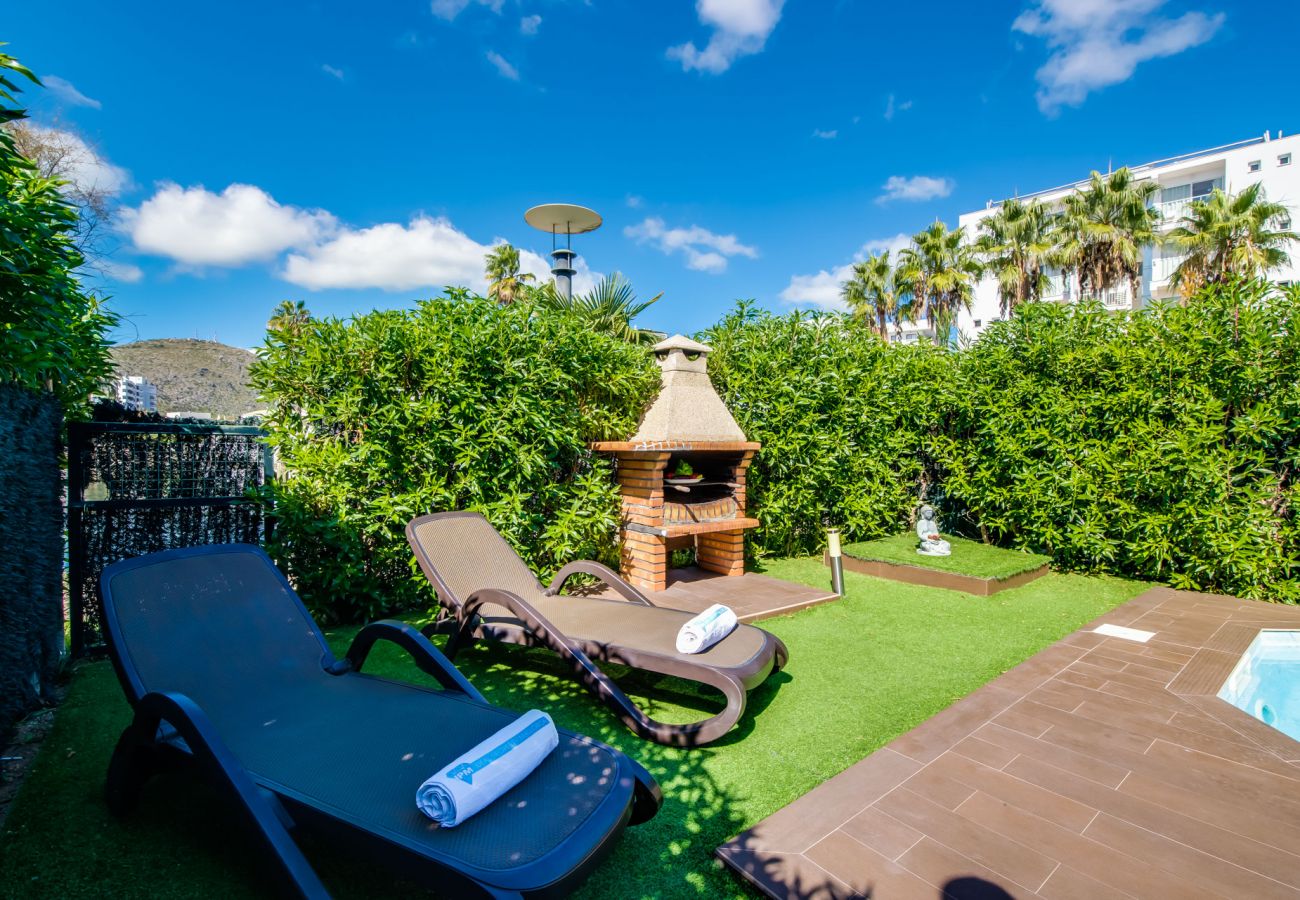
column 1271, row 160
column 138, row 393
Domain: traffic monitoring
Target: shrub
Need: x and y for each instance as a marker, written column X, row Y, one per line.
column 1160, row 444
column 455, row 404
column 52, row 332
column 846, row 421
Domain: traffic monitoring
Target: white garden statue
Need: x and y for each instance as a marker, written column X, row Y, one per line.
column 927, row 529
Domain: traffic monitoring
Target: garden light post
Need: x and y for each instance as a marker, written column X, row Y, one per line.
column 836, row 558
column 563, row 220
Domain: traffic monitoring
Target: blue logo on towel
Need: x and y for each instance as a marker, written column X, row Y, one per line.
column 465, row 771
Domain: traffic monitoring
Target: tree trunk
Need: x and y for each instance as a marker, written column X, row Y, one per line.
column 884, row 326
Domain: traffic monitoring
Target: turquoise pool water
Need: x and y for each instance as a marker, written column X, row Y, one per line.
column 1266, row 682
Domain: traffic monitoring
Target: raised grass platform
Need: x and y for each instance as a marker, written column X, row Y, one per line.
column 973, row 567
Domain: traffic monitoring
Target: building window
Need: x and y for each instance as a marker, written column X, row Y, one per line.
column 1253, row 166
column 979, row 323
column 1284, row 159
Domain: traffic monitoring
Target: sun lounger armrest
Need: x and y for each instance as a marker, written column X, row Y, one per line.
column 604, row 573
column 427, row 657
column 225, row 770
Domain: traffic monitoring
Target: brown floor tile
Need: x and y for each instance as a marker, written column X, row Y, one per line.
column 983, row 752
column 1116, row 868
column 942, row 865
column 1041, row 802
column 867, row 872
column 1189, row 864
column 1018, row 862
column 1067, row 883
column 882, row 833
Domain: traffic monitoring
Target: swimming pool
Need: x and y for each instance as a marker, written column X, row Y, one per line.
column 1266, row 681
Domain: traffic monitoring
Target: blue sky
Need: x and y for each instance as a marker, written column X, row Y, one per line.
column 360, row 155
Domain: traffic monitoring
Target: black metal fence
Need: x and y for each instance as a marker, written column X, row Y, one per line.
column 138, row 488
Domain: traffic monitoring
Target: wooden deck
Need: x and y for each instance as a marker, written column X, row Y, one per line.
column 1101, row 767
column 751, row 596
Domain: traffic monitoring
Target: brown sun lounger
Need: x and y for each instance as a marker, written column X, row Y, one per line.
column 492, row 594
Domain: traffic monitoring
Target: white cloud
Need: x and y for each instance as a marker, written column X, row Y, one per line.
column 425, row 253
column 635, row 201
column 332, row 71
column 450, row 9
column 65, row 91
column 391, row 256
column 503, row 65
column 529, row 24
column 1093, row 44
column 892, row 106
column 826, row 135
column 242, row 224
column 704, row 250
column 915, row 188
column 823, row 288
column 740, row 28
column 126, row 273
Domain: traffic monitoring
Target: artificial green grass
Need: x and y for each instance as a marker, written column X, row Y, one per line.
column 968, row 557
column 862, row 670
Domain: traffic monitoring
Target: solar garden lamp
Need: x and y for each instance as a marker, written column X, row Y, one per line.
column 837, row 559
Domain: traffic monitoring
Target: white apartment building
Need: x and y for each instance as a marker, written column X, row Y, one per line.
column 1272, row 160
column 138, row 393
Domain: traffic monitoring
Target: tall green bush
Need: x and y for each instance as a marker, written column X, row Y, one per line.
column 847, row 422
column 456, row 404
column 52, row 331
column 1161, row 444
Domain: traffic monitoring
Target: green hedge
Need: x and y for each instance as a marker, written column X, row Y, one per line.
column 846, row 422
column 456, row 404
column 1160, row 444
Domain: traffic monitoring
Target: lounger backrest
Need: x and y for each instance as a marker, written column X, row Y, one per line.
column 219, row 623
column 467, row 554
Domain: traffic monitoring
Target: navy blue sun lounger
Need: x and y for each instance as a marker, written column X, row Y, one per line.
column 226, row 671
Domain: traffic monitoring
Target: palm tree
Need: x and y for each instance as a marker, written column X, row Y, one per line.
column 872, row 294
column 1104, row 230
column 503, row 275
column 1223, row 236
column 1016, row 243
column 609, row 307
column 939, row 270
column 289, row 317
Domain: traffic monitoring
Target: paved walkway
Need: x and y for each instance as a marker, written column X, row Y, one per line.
column 1102, row 767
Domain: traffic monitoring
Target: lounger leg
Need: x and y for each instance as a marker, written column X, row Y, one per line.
column 462, row 636
column 134, row 760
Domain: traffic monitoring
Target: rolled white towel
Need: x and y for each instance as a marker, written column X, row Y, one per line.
column 477, row 777
column 706, row 629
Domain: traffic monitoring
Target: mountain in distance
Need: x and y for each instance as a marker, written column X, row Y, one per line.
column 192, row 375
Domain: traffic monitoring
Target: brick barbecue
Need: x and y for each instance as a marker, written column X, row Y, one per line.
column 687, row 422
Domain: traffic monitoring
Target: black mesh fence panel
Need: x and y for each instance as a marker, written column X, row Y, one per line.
column 139, row 488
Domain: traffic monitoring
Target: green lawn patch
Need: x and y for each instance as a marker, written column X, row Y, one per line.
column 862, row 670
column 968, row 557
